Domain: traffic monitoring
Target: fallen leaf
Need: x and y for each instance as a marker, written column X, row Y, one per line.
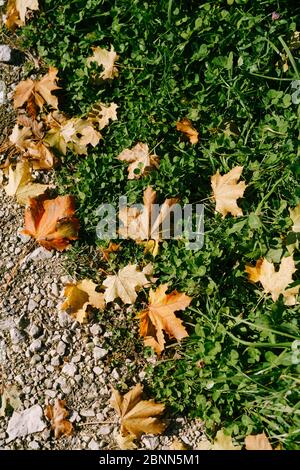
column 145, row 224
column 124, row 284
column 137, row 415
column 226, row 191
column 257, row 442
column 79, row 297
column 21, row 137
column 275, row 283
column 139, row 159
column 107, row 59
column 223, row 442
column 112, row 248
column 295, row 216
column 159, row 317
column 40, row 156
column 124, row 442
column 101, row 114
column 75, row 134
column 38, row 90
column 152, row 247
column 177, row 444
column 52, row 222
column 20, row 184
column 10, row 398
column 57, row 415
column 185, row 126
column 16, row 11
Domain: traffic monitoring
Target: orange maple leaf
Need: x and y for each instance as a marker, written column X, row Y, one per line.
column 159, row 317
column 185, row 126
column 57, row 414
column 52, row 222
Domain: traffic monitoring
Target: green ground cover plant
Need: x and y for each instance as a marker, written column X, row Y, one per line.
column 229, row 67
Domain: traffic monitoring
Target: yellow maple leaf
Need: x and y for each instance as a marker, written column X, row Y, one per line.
column 226, row 191
column 185, row 126
column 257, row 442
column 40, row 91
column 275, row 283
column 137, row 416
column 17, row 10
column 140, row 159
column 107, row 59
column 295, row 216
column 20, row 184
column 79, row 297
column 145, row 224
column 223, row 442
column 57, row 415
column 159, row 317
column 101, row 114
column 124, row 284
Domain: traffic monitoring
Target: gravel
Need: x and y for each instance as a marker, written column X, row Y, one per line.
column 45, row 353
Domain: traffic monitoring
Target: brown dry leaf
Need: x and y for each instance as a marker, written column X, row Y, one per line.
column 112, row 248
column 178, row 444
column 140, row 159
column 185, row 126
column 16, row 12
column 226, row 191
column 223, row 442
column 124, row 442
column 257, row 442
column 21, row 137
column 101, row 114
column 145, row 224
column 52, row 222
column 159, row 317
column 40, row 156
column 57, row 415
column 295, row 216
column 40, row 91
column 107, row 59
column 20, row 184
column 79, row 297
column 137, row 416
column 275, row 282
column 124, row 284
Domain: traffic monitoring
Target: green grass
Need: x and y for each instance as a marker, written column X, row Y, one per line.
column 214, row 63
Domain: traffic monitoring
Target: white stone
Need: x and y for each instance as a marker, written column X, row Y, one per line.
column 26, row 422
column 5, row 53
column 99, row 353
column 69, row 369
column 38, row 254
column 16, row 336
column 32, row 305
column 93, row 445
column 3, row 93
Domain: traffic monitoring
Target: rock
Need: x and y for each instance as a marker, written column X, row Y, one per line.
column 3, row 95
column 6, row 324
column 76, row 358
column 23, row 238
column 55, row 361
column 93, row 445
column 39, row 254
column 87, row 413
column 115, row 374
column 32, row 305
column 16, row 336
column 151, row 442
column 99, row 353
column 105, row 430
column 54, row 289
column 63, row 319
column 74, row 416
column 69, row 369
column 36, row 359
column 35, row 331
column 34, row 445
column 35, row 346
column 61, row 348
column 96, row 329
column 5, row 53
column 97, row 370
column 26, row 422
